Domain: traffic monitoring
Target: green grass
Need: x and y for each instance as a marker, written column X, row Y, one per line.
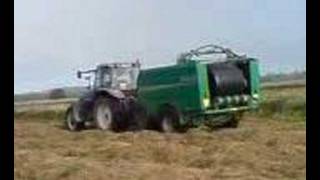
column 288, row 109
column 284, row 104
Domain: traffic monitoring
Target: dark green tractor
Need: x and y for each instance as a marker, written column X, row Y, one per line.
column 200, row 90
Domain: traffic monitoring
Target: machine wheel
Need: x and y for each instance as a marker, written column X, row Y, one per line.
column 138, row 118
column 70, row 122
column 169, row 119
column 234, row 121
column 103, row 114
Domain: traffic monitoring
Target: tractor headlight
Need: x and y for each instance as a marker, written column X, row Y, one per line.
column 206, row 102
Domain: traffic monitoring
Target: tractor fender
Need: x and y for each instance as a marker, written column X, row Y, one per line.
column 110, row 92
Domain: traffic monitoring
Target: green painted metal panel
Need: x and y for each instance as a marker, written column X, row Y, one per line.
column 186, row 86
column 176, row 85
column 203, row 84
column 254, row 77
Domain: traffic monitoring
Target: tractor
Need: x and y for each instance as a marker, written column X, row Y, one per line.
column 110, row 103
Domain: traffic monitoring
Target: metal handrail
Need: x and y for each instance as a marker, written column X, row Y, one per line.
column 213, row 49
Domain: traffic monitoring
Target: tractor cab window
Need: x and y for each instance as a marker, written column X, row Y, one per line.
column 124, row 78
column 103, row 78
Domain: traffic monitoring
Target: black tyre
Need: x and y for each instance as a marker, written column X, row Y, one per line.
column 103, row 114
column 222, row 121
column 169, row 119
column 234, row 121
column 70, row 122
column 139, row 118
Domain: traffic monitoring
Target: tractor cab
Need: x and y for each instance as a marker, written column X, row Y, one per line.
column 119, row 76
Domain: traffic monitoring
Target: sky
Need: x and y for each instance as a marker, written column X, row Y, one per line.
column 53, row 39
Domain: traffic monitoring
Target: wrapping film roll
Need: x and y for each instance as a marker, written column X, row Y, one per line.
column 226, row 79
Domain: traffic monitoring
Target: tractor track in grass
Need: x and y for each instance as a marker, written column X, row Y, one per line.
column 258, row 149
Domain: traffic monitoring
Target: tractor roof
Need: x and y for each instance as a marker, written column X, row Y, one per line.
column 121, row 64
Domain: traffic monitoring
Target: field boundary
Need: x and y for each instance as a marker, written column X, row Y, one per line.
column 286, row 84
column 45, row 102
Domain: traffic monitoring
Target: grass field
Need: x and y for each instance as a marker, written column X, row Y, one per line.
column 287, row 104
column 270, row 144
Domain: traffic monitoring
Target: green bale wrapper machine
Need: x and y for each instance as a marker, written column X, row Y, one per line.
column 200, row 90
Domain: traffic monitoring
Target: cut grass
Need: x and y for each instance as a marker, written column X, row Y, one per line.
column 265, row 146
column 258, row 149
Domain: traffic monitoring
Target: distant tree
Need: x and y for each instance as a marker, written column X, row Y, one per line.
column 57, row 94
column 277, row 77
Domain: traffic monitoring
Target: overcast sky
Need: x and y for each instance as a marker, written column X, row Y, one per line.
column 52, row 39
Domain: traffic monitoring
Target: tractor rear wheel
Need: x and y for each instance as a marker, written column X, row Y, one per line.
column 103, row 114
column 70, row 122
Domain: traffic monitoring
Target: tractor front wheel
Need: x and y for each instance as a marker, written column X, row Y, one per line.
column 70, row 122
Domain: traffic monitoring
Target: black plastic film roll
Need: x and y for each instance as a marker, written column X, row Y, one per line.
column 226, row 79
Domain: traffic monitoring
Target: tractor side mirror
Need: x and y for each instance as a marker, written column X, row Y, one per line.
column 79, row 74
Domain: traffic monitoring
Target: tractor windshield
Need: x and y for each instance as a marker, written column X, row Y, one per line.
column 123, row 78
